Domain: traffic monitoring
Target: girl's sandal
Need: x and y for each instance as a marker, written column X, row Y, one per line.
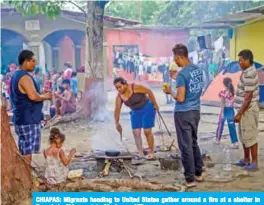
column 151, row 158
column 137, row 157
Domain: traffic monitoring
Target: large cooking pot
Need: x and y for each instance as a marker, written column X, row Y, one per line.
column 112, row 153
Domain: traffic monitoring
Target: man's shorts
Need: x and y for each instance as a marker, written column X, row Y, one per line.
column 29, row 137
column 248, row 126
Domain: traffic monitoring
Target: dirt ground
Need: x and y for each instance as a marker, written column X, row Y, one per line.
column 101, row 135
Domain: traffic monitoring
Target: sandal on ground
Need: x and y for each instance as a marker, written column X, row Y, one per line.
column 241, row 163
column 199, row 178
column 235, row 146
column 251, row 167
column 217, row 142
column 190, row 184
column 151, row 158
column 137, row 157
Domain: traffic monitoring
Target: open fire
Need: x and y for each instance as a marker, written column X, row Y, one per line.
column 121, row 163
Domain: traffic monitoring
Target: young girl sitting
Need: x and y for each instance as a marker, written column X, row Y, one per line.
column 56, row 160
column 227, row 113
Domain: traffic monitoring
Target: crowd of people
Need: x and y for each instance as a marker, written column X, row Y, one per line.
column 63, row 85
column 28, row 92
column 139, row 64
column 210, row 61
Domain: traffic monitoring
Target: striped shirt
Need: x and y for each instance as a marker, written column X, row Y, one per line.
column 248, row 82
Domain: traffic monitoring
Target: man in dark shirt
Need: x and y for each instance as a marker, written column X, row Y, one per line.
column 27, row 105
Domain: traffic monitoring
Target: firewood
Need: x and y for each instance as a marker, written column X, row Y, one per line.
column 67, row 118
column 110, row 185
column 136, row 184
column 87, row 184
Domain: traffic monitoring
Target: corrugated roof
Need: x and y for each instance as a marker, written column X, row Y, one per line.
column 237, row 18
column 240, row 17
column 80, row 16
column 212, row 26
column 154, row 27
column 259, row 9
column 232, row 20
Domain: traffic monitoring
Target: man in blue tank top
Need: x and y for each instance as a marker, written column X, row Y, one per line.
column 187, row 113
column 27, row 104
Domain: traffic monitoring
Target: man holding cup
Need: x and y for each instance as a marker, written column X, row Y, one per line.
column 27, row 105
column 189, row 84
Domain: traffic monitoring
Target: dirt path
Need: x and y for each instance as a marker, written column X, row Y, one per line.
column 103, row 136
column 86, row 137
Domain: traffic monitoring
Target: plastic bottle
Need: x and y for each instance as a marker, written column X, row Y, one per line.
column 227, row 160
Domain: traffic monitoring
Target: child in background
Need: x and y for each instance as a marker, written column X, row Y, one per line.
column 74, row 84
column 67, row 74
column 59, row 80
column 140, row 71
column 47, row 103
column 47, row 83
column 56, row 161
column 227, row 113
column 53, row 78
column 7, row 91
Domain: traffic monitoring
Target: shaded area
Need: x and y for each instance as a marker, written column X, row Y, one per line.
column 11, row 45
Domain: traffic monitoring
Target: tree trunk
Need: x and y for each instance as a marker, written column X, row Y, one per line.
column 16, row 178
column 93, row 96
column 95, row 32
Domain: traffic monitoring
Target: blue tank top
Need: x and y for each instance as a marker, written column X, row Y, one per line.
column 26, row 111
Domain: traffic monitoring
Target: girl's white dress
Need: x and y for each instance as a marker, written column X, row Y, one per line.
column 55, row 171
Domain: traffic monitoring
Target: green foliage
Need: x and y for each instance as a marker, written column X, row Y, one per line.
column 193, row 13
column 50, row 8
column 177, row 13
column 30, row 8
column 143, row 11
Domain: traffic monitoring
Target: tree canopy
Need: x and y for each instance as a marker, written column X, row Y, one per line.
column 29, row 8
column 144, row 11
column 186, row 13
column 176, row 13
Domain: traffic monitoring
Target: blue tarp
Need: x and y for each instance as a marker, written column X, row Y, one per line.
column 234, row 67
column 261, row 93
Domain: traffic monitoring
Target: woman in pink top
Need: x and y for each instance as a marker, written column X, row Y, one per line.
column 227, row 113
column 47, row 83
column 68, row 71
